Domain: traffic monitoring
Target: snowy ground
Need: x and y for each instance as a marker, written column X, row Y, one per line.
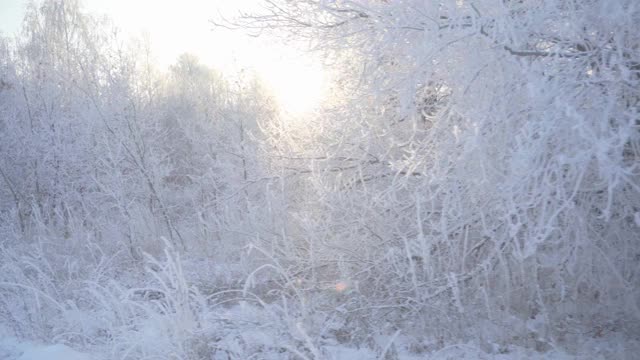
column 13, row 349
column 601, row 349
column 196, row 330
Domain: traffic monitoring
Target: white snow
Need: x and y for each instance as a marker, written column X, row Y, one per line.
column 14, row 349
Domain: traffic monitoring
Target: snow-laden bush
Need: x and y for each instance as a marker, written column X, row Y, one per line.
column 475, row 178
column 481, row 165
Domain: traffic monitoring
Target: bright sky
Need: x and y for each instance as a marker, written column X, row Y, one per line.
column 297, row 80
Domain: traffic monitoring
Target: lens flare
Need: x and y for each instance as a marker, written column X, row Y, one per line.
column 341, row 286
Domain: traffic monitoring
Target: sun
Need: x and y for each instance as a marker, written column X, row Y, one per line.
column 298, row 84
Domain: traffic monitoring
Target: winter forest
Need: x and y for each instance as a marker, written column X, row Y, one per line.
column 469, row 188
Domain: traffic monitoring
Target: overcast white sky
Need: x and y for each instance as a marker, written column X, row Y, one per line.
column 175, row 27
column 180, row 26
column 11, row 12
